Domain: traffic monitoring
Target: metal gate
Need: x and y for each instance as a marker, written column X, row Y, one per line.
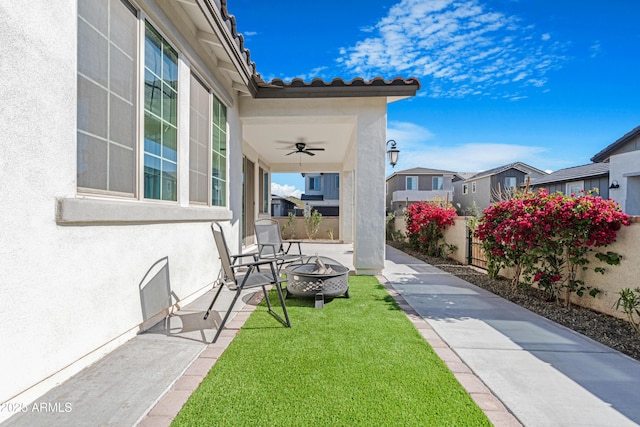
column 477, row 257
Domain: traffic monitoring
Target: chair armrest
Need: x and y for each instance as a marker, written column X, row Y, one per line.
column 234, row 258
column 255, row 263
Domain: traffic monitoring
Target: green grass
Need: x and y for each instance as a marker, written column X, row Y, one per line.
column 357, row 361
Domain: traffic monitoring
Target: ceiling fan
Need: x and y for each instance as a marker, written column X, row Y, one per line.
column 301, row 147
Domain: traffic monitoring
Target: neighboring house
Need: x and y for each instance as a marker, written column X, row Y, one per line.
column 623, row 157
column 478, row 191
column 322, row 192
column 127, row 128
column 282, row 206
column 416, row 185
column 576, row 180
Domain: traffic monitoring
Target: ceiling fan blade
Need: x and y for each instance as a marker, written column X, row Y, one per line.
column 293, row 152
column 315, row 149
column 308, row 152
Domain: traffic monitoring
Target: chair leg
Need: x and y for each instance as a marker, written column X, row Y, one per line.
column 226, row 316
column 213, row 302
column 284, row 307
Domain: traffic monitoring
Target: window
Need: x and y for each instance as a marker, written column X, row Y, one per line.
column 107, row 101
column 199, row 137
column 575, row 188
column 411, row 183
column 510, row 182
column 437, row 183
column 207, row 139
column 160, row 117
column 473, row 187
column 314, row 183
column 219, row 154
column 465, row 188
column 110, row 114
column 264, row 191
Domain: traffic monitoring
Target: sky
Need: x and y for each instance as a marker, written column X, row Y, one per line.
column 547, row 83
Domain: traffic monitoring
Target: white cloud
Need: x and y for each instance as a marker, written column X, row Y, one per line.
column 595, row 49
column 285, row 190
column 470, row 157
column 456, row 47
column 419, row 148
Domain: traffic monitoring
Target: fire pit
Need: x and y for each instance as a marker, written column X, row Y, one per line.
column 317, row 276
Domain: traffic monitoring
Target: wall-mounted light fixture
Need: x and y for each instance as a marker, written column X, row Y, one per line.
column 614, row 185
column 392, row 153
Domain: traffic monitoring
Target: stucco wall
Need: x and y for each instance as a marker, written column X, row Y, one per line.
column 72, row 293
column 454, row 235
column 300, row 233
column 615, row 278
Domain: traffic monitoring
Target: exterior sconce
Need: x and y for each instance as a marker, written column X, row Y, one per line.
column 614, row 185
column 392, row 153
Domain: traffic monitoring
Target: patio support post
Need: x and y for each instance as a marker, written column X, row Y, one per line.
column 369, row 245
column 347, row 198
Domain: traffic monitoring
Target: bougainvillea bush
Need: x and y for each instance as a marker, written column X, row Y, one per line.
column 547, row 237
column 426, row 223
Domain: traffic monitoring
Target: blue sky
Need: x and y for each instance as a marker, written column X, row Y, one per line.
column 548, row 83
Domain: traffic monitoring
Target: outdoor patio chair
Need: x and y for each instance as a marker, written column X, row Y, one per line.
column 271, row 245
column 251, row 277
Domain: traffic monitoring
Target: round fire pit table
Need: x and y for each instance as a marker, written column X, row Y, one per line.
column 317, row 276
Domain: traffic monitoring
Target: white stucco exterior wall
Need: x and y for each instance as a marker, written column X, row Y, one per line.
column 369, row 245
column 71, row 293
column 347, row 198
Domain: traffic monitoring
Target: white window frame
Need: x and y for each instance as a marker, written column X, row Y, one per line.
column 436, row 179
column 413, row 179
column 465, row 188
column 103, row 207
column 511, row 178
column 473, row 187
column 570, row 188
column 314, row 183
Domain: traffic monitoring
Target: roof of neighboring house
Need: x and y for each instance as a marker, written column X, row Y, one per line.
column 288, row 199
column 421, row 171
column 573, row 174
column 317, row 88
column 466, row 175
column 523, row 167
column 604, row 154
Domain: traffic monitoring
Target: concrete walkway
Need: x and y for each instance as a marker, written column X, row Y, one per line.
column 520, row 368
column 544, row 373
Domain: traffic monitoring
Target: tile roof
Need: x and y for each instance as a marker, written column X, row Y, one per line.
column 573, row 174
column 317, row 88
column 604, row 154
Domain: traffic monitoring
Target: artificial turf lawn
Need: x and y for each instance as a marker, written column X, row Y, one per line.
column 357, row 361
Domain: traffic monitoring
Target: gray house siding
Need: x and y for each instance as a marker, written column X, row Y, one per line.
column 600, row 185
column 328, row 188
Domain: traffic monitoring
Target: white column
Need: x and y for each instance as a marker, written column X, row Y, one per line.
column 347, row 214
column 369, row 244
